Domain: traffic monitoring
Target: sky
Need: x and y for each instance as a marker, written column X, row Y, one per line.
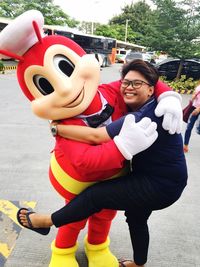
column 94, row 10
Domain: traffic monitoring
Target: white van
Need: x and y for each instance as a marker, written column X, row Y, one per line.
column 121, row 54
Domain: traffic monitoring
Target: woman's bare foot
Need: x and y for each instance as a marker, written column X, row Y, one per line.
column 37, row 220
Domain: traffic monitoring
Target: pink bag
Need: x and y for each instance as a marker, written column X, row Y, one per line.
column 187, row 111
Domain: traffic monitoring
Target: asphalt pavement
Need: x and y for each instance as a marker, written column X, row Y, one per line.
column 24, row 160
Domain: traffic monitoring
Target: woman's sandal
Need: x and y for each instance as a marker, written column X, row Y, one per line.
column 122, row 262
column 42, row 231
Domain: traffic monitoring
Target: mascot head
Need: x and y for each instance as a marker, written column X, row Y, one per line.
column 54, row 72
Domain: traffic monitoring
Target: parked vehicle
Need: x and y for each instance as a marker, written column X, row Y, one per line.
column 152, row 54
column 137, row 55
column 103, row 47
column 169, row 68
column 121, row 54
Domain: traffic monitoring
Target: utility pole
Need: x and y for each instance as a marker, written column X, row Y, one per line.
column 126, row 30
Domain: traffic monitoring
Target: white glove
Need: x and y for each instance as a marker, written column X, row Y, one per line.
column 169, row 106
column 135, row 137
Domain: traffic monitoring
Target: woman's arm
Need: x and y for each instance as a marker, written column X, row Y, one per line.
column 193, row 96
column 83, row 133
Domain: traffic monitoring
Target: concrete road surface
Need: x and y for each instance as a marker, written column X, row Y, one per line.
column 24, row 159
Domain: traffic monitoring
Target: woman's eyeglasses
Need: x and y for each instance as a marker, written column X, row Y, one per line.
column 136, row 84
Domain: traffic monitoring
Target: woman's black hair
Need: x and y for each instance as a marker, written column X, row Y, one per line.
column 145, row 68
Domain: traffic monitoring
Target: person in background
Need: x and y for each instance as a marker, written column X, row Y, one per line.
column 193, row 118
column 157, row 180
column 198, row 126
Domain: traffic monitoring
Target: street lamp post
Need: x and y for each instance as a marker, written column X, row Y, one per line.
column 95, row 2
column 92, row 30
column 126, row 30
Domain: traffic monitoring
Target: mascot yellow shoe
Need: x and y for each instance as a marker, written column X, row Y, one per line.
column 63, row 257
column 100, row 255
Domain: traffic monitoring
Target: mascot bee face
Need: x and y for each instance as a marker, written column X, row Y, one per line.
column 55, row 73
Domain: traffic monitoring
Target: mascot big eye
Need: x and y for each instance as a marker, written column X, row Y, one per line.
column 61, row 82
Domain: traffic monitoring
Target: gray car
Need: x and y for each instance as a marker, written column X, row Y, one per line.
column 137, row 55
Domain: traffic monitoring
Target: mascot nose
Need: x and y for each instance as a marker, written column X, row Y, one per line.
column 63, row 87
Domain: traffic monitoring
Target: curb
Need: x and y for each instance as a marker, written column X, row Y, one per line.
column 9, row 227
column 8, row 68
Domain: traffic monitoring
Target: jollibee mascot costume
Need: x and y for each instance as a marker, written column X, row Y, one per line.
column 61, row 82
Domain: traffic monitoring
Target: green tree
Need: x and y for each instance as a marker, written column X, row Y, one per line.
column 10, row 8
column 177, row 26
column 139, row 16
column 53, row 14
column 113, row 30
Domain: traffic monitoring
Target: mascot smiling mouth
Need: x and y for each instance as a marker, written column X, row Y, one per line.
column 77, row 100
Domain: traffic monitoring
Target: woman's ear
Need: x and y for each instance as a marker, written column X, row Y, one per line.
column 151, row 91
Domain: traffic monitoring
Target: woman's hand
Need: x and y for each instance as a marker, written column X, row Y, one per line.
column 196, row 111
